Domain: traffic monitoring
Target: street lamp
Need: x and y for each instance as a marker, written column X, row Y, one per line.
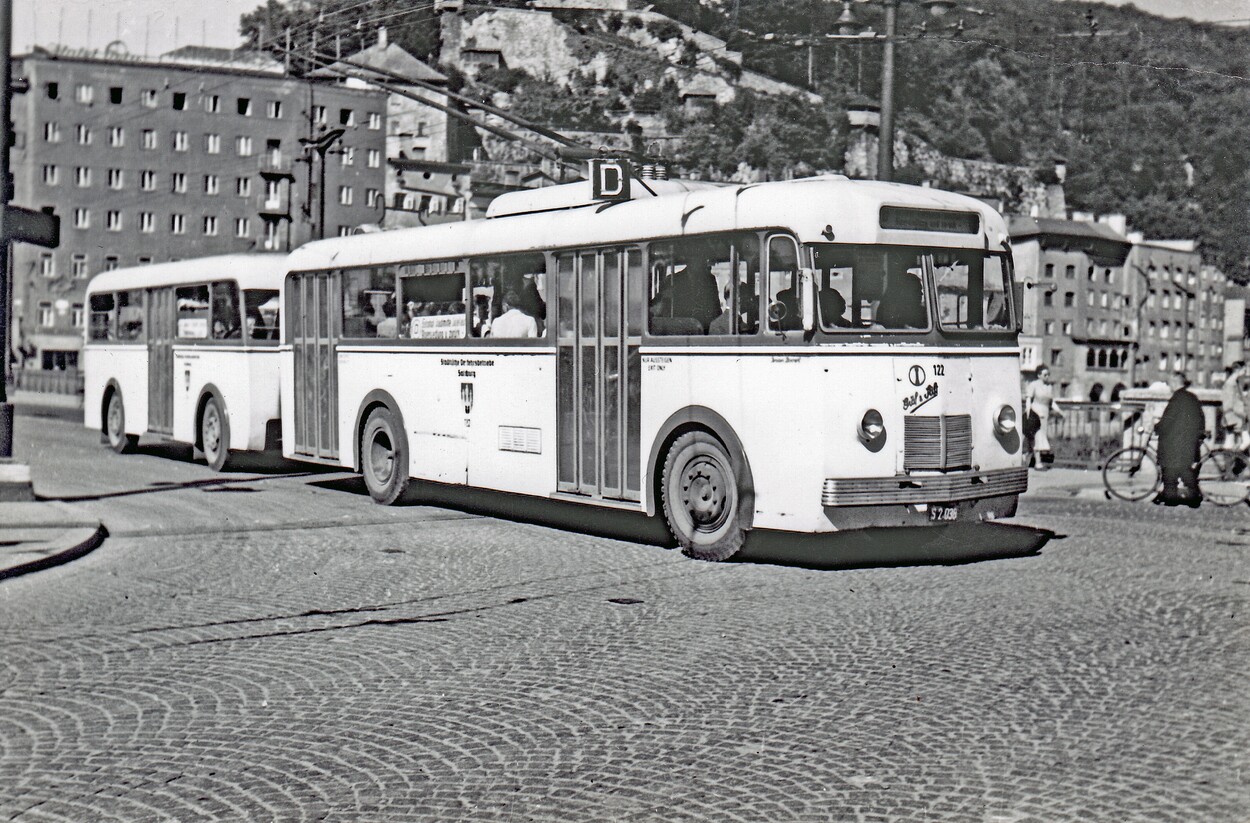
column 846, row 26
column 321, row 145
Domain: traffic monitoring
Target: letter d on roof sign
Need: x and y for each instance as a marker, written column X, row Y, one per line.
column 609, row 179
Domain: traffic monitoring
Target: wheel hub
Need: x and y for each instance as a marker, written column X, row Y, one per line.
column 703, row 492
column 381, row 458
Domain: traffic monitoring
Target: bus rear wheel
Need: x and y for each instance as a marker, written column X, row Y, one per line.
column 115, row 426
column 700, row 492
column 214, row 435
column 384, row 457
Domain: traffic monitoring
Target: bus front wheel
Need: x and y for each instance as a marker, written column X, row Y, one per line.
column 384, row 457
column 115, row 426
column 214, row 435
column 700, row 492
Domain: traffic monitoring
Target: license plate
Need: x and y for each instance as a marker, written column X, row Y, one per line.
column 943, row 514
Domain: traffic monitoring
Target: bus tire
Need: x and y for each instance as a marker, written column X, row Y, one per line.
column 115, row 425
column 214, row 435
column 700, row 493
column 384, row 456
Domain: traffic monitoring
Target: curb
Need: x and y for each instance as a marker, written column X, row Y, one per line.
column 75, row 543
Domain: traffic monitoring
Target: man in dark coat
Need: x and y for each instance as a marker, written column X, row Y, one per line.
column 1180, row 434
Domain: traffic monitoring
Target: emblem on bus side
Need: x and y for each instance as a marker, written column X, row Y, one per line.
column 916, row 375
column 466, row 396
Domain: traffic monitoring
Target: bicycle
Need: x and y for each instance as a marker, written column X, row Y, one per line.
column 1132, row 474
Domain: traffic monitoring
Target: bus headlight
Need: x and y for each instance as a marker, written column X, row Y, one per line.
column 1005, row 420
column 871, row 427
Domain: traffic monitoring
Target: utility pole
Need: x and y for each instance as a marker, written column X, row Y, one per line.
column 885, row 146
column 6, row 305
column 321, row 146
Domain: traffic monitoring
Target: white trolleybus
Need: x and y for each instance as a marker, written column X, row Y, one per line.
column 187, row 351
column 812, row 356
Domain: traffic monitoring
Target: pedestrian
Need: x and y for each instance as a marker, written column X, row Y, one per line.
column 1180, row 429
column 1039, row 404
column 1233, row 407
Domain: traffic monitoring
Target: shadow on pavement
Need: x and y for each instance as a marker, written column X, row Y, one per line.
column 936, row 545
column 265, row 462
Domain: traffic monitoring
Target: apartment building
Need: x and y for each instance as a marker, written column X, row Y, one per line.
column 197, row 152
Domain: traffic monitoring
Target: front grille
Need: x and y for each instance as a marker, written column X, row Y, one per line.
column 937, row 443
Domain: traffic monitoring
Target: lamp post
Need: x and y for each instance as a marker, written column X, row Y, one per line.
column 846, row 23
column 321, row 145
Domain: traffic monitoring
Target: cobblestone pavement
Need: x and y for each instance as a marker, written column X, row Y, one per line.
column 218, row 658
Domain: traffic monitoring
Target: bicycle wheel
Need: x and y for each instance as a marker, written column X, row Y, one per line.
column 1224, row 477
column 1131, row 474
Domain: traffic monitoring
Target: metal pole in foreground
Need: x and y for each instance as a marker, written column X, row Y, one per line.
column 885, row 143
column 6, row 100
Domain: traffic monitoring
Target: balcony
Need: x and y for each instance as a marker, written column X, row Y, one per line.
column 275, row 165
column 275, row 207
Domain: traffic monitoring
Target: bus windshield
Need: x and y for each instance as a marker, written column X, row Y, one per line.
column 882, row 288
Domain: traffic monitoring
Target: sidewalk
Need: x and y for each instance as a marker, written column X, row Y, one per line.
column 1085, row 484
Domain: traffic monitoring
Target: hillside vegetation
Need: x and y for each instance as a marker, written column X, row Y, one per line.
column 1152, row 116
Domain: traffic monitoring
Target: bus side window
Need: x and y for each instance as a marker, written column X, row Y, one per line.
column 103, row 315
column 737, row 272
column 369, row 302
column 226, row 324
column 130, row 314
column 694, row 281
column 193, row 312
column 433, row 305
column 260, row 308
column 784, row 307
column 523, row 278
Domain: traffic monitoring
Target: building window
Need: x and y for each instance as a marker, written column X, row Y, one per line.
column 179, row 180
column 47, row 264
column 1056, row 357
column 347, row 117
column 1049, row 327
column 242, row 227
column 1069, row 272
column 51, row 175
column 273, row 237
column 212, row 103
column 149, row 139
column 345, row 195
column 1067, row 327
column 82, row 134
column 348, row 156
column 144, row 260
column 375, row 120
column 212, row 143
column 113, row 220
column 178, row 223
column 210, row 225
column 374, row 158
column 1089, row 274
column 82, row 177
column 52, row 132
column 1104, row 300
column 115, row 95
column 53, row 90
column 345, row 231
column 110, row 262
column 211, row 184
column 149, row 98
column 78, row 265
column 243, row 146
column 77, row 316
column 243, row 186
column 84, row 94
column 273, row 193
column 1089, row 298
column 1069, row 299
column 319, row 115
column 47, row 318
column 181, row 142
column 1048, row 298
column 116, row 178
column 245, row 107
column 1108, row 276
column 147, row 180
column 372, row 196
column 147, row 222
column 275, row 109
column 82, row 218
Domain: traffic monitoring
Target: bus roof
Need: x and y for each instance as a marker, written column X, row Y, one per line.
column 252, row 271
column 830, row 208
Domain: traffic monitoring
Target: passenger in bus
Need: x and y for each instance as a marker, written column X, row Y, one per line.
column 481, row 315
column 513, row 322
column 902, row 303
column 662, row 320
column 526, row 290
column 693, row 291
column 785, row 311
column 833, row 308
column 387, row 326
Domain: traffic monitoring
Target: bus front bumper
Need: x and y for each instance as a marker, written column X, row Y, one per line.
column 924, row 489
